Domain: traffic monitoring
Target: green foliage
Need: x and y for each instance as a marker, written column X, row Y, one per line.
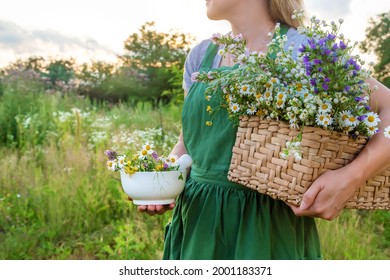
column 156, row 57
column 378, row 42
column 60, row 70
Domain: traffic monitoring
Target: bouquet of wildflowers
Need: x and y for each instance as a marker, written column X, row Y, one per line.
column 146, row 160
column 324, row 87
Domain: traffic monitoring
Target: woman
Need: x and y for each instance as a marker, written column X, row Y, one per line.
column 218, row 219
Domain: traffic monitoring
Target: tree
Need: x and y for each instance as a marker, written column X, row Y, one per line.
column 155, row 56
column 378, row 42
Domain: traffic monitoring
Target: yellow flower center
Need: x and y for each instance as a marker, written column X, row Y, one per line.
column 244, row 88
column 280, row 95
column 147, row 147
column 322, row 118
column 352, row 119
column 371, row 118
column 345, row 117
column 279, row 102
column 299, row 86
column 325, row 106
column 144, row 152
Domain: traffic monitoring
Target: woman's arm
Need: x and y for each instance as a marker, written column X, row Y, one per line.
column 328, row 195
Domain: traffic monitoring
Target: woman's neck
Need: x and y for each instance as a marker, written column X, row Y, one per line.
column 254, row 25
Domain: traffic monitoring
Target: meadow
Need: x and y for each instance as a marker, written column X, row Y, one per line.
column 59, row 201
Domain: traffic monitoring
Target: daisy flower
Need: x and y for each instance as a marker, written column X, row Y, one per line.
column 387, row 132
column 234, row 107
column 279, row 103
column 352, row 121
column 323, row 119
column 251, row 110
column 143, row 154
column 121, row 161
column 325, row 107
column 111, row 165
column 371, row 130
column 268, row 95
column 245, row 90
column 372, row 119
column 148, row 147
column 171, row 160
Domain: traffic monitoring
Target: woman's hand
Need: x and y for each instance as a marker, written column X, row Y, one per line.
column 155, row 209
column 329, row 193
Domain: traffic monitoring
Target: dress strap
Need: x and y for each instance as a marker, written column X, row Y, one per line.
column 209, row 56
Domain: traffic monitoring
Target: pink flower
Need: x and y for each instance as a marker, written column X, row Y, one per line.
column 194, row 76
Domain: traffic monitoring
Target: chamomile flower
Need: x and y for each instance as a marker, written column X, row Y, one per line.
column 171, row 160
column 387, row 132
column 323, row 119
column 279, row 103
column 344, row 116
column 234, row 107
column 325, row 107
column 352, row 121
column 268, row 95
column 251, row 110
column 258, row 95
column 121, row 161
column 245, row 89
column 111, row 165
column 372, row 119
column 372, row 130
column 143, row 154
column 148, row 147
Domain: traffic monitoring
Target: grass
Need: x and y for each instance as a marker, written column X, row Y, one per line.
column 58, row 201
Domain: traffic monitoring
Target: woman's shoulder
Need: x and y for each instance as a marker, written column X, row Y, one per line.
column 295, row 39
column 197, row 53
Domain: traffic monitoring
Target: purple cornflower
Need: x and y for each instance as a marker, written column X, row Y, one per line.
column 326, row 80
column 331, row 37
column 317, row 61
column 111, row 154
column 313, row 82
column 155, row 155
column 302, row 48
column 325, row 86
column 368, row 107
column 343, row 46
column 359, row 99
column 362, row 117
column 166, row 166
column 312, row 44
column 347, row 88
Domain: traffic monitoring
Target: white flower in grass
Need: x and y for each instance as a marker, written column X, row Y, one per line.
column 387, row 132
column 234, row 107
column 372, row 119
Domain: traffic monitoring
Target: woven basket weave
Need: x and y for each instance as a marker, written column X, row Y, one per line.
column 256, row 162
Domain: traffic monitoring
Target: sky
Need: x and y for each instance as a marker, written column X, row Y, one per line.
column 96, row 29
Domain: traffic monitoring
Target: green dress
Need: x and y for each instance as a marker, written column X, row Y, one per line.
column 218, row 219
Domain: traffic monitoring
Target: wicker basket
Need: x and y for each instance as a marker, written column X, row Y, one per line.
column 256, row 162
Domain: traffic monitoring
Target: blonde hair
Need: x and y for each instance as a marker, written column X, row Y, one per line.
column 282, row 10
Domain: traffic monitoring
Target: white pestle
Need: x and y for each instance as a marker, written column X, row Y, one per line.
column 184, row 162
